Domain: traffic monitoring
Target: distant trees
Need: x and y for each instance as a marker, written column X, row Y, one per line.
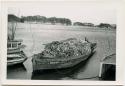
column 37, row 18
column 43, row 19
column 12, row 17
column 82, row 24
column 40, row 19
column 55, row 20
column 78, row 24
column 102, row 25
column 105, row 25
column 113, row 26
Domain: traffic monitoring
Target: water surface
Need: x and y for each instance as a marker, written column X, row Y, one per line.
column 35, row 35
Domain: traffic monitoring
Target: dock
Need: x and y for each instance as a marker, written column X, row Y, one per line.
column 106, row 65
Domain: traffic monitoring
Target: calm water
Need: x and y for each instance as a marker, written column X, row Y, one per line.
column 35, row 35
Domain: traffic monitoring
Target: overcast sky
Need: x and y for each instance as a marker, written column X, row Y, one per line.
column 74, row 11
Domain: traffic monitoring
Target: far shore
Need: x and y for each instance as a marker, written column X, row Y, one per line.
column 39, row 25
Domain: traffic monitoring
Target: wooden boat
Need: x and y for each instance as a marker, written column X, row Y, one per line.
column 40, row 63
column 15, row 54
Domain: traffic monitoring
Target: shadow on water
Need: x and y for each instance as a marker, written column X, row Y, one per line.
column 110, row 74
column 16, row 67
column 59, row 74
column 16, row 71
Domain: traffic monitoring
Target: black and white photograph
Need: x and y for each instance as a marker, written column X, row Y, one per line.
column 63, row 85
column 61, row 41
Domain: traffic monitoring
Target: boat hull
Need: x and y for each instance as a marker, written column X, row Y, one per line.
column 58, row 63
column 19, row 61
column 13, row 59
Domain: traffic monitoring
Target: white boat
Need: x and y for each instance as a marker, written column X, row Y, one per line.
column 15, row 54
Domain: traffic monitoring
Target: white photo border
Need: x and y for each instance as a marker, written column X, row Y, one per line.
column 118, row 5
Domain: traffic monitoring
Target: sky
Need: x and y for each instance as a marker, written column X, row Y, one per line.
column 77, row 12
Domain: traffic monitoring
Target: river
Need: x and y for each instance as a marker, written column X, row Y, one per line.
column 35, row 35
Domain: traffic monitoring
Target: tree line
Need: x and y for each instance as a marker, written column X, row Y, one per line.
column 83, row 24
column 106, row 25
column 43, row 19
column 40, row 19
column 12, row 18
column 55, row 20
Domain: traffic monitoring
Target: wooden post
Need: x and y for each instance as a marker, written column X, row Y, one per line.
column 100, row 72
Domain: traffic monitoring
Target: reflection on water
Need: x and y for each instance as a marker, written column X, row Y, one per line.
column 16, row 71
column 19, row 71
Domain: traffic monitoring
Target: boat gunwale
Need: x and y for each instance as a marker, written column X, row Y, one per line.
column 38, row 58
column 22, row 58
column 16, row 40
column 60, row 59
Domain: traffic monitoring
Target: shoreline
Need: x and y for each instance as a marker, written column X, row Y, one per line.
column 49, row 26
